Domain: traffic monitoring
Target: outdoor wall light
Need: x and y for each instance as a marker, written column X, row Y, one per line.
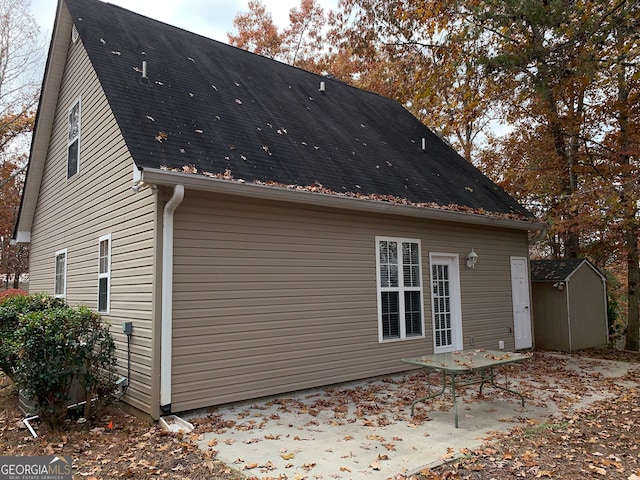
column 472, row 258
column 559, row 285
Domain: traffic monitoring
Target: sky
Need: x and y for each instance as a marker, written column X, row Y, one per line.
column 210, row 18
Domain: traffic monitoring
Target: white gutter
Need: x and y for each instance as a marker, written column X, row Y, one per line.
column 167, row 298
column 539, row 235
column 154, row 176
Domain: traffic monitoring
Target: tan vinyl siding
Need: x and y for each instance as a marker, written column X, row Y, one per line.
column 74, row 213
column 271, row 298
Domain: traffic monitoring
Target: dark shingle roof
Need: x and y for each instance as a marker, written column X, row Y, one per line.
column 224, row 108
column 554, row 270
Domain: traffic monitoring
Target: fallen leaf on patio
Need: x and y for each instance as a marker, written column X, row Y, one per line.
column 268, row 466
column 348, row 437
column 288, row 456
column 288, row 465
column 382, row 456
column 598, row 470
column 308, row 466
column 249, row 466
column 345, row 469
column 272, row 437
column 375, row 465
column 213, row 442
column 545, row 473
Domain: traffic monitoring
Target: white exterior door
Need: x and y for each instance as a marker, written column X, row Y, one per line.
column 521, row 302
column 445, row 302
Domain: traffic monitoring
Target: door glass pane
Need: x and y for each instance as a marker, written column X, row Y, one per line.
column 442, row 306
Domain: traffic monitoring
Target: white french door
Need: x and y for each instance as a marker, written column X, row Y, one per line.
column 445, row 302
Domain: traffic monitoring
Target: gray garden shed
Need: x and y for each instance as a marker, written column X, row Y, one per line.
column 569, row 304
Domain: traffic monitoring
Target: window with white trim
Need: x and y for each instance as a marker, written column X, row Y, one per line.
column 60, row 282
column 399, row 273
column 73, row 140
column 104, row 273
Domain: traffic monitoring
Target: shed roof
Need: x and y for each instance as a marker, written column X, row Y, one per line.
column 211, row 109
column 556, row 270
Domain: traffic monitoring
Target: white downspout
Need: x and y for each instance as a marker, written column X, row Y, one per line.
column 167, row 298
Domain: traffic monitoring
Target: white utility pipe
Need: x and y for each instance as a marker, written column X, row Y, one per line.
column 167, row 298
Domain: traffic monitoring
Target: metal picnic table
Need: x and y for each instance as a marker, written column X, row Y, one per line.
column 452, row 364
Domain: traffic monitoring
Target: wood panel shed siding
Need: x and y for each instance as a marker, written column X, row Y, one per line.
column 74, row 213
column 569, row 305
column 270, row 297
column 588, row 309
column 550, row 304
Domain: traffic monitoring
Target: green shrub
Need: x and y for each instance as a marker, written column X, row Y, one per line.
column 11, row 308
column 63, row 348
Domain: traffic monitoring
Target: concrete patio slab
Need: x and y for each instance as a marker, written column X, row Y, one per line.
column 364, row 430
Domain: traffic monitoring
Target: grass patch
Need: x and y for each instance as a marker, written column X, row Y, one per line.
column 543, row 428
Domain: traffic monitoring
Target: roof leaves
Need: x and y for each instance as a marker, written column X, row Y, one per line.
column 343, row 141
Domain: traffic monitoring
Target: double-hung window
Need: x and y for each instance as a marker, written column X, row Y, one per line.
column 399, row 273
column 73, row 140
column 60, row 282
column 104, row 273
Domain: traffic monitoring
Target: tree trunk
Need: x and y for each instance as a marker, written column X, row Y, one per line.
column 633, row 272
column 630, row 202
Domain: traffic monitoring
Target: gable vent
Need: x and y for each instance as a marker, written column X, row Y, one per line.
column 74, row 34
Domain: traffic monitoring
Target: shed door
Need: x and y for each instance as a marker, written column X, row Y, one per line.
column 520, row 296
